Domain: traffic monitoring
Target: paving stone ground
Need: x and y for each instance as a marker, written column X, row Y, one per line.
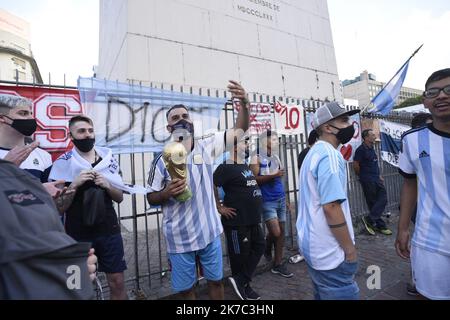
column 375, row 250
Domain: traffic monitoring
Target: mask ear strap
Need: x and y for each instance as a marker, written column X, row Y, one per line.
column 12, row 120
column 333, row 126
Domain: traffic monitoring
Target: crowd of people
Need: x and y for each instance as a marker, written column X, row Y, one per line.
column 82, row 185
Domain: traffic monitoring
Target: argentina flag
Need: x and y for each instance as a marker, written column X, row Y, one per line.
column 131, row 118
column 385, row 99
column 391, row 135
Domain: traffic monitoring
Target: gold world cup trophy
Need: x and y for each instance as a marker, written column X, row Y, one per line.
column 174, row 156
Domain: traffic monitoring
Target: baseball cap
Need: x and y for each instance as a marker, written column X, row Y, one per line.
column 330, row 111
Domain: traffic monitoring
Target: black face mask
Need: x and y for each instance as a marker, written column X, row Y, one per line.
column 24, row 126
column 183, row 125
column 84, row 145
column 346, row 134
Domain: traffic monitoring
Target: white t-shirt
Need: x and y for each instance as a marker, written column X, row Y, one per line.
column 324, row 180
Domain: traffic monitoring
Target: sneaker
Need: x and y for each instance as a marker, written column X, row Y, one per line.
column 238, row 288
column 411, row 290
column 368, row 226
column 282, row 271
column 386, row 231
column 296, row 258
column 251, row 294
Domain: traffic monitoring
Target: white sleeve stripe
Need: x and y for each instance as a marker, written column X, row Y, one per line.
column 151, row 175
column 336, row 161
column 329, row 160
column 405, row 160
column 333, row 161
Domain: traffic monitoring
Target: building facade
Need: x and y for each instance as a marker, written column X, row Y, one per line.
column 365, row 87
column 16, row 59
column 282, row 48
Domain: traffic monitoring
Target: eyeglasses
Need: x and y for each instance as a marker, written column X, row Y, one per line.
column 434, row 92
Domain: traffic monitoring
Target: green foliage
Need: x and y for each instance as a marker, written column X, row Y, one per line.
column 410, row 102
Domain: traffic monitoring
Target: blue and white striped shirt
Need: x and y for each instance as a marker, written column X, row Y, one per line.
column 323, row 178
column 191, row 225
column 425, row 154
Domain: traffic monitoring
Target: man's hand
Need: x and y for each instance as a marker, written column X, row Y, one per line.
column 85, row 175
column 382, row 179
column 238, row 92
column 101, row 181
column 55, row 188
column 351, row 255
column 228, row 213
column 19, row 154
column 243, row 117
column 175, row 188
column 92, row 264
column 402, row 244
column 64, row 199
column 280, row 173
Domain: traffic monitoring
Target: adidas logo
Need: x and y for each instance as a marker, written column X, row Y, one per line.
column 424, row 154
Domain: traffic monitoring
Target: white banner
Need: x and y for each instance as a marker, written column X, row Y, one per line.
column 131, row 118
column 289, row 118
column 391, row 135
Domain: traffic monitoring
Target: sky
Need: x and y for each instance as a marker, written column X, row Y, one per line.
column 374, row 35
column 64, row 36
column 380, row 35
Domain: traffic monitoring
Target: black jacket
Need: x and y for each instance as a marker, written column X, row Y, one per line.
column 38, row 260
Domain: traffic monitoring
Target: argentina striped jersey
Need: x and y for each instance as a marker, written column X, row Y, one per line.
column 425, row 154
column 191, row 225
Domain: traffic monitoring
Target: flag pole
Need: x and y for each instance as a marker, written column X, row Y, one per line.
column 415, row 52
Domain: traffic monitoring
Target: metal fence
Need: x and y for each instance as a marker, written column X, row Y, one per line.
column 291, row 146
column 145, row 247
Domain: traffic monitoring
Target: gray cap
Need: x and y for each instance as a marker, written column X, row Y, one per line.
column 330, row 111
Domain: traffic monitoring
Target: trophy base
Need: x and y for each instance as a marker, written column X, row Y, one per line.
column 185, row 196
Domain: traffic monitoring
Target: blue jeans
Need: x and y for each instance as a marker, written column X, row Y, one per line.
column 275, row 210
column 336, row 284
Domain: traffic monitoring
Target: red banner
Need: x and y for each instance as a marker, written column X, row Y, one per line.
column 52, row 109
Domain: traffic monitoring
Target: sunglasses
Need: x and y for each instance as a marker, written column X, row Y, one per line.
column 434, row 92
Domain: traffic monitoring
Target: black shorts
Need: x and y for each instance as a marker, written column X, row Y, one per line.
column 110, row 253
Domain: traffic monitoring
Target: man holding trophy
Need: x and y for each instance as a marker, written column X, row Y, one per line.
column 181, row 181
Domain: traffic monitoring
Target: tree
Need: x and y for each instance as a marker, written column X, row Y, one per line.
column 410, row 102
